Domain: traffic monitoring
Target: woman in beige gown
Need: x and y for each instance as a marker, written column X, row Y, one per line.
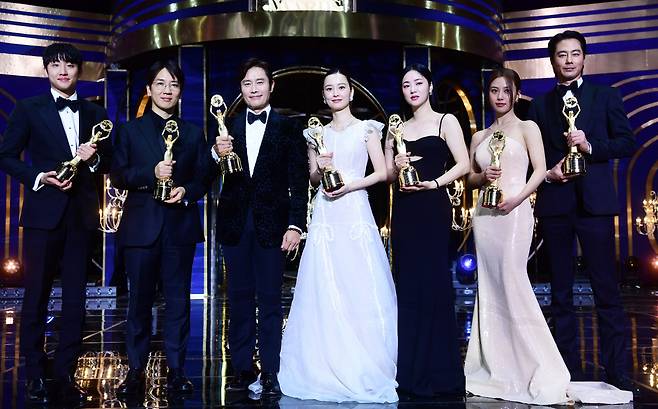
column 511, row 353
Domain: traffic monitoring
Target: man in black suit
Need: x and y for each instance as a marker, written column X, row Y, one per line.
column 261, row 214
column 582, row 206
column 58, row 218
column 159, row 238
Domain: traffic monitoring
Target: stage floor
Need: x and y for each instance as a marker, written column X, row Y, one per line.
column 208, row 362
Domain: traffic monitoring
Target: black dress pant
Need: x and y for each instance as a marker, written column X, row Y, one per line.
column 65, row 248
column 254, row 280
column 171, row 266
column 596, row 237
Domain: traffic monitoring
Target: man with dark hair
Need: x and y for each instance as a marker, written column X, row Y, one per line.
column 58, row 218
column 584, row 206
column 159, row 237
column 261, row 214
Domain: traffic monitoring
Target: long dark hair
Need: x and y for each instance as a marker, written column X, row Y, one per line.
column 427, row 74
column 511, row 78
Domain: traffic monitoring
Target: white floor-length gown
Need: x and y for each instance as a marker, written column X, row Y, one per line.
column 340, row 341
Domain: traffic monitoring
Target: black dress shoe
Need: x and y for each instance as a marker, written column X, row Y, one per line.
column 69, row 391
column 36, row 391
column 177, row 382
column 270, row 384
column 133, row 384
column 241, row 381
column 624, row 383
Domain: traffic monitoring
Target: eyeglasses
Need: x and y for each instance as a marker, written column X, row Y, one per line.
column 161, row 85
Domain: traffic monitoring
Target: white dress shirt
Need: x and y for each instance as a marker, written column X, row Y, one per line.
column 254, row 137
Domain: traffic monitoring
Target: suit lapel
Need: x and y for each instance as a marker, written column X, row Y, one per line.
column 53, row 122
column 586, row 102
column 151, row 137
column 556, row 120
column 239, row 135
column 86, row 125
column 269, row 138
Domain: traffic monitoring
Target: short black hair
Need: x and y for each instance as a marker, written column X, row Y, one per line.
column 340, row 70
column 171, row 66
column 565, row 35
column 62, row 52
column 256, row 62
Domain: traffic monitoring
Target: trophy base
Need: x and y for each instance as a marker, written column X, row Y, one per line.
column 230, row 164
column 408, row 176
column 162, row 190
column 492, row 197
column 65, row 172
column 331, row 180
column 573, row 165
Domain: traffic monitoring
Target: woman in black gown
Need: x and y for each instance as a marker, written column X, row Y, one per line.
column 429, row 361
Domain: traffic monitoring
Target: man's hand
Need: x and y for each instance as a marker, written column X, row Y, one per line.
column 49, row 178
column 290, row 241
column 86, row 151
column 164, row 169
column 577, row 138
column 555, row 173
column 177, row 195
column 223, row 144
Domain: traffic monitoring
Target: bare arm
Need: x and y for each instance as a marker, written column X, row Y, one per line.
column 389, row 157
column 457, row 146
column 378, row 163
column 533, row 142
column 476, row 177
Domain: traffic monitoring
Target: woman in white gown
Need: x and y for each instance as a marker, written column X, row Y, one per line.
column 340, row 341
column 511, row 353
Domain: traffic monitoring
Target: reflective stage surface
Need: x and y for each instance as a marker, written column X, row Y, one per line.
column 103, row 364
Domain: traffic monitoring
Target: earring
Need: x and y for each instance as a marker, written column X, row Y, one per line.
column 324, row 101
column 351, row 98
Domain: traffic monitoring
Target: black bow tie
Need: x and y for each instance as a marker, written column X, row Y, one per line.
column 562, row 89
column 251, row 117
column 62, row 103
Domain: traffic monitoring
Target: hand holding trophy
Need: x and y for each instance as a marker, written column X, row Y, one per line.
column 574, row 162
column 66, row 171
column 493, row 195
column 331, row 178
column 164, row 186
column 408, row 174
column 229, row 161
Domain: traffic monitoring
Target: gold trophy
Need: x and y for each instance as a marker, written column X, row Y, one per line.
column 163, row 187
column 67, row 170
column 574, row 162
column 331, row 179
column 229, row 162
column 492, row 195
column 408, row 174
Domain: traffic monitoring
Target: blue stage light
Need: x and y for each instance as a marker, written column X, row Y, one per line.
column 466, row 269
column 468, row 262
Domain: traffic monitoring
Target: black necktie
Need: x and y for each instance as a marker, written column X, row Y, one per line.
column 62, row 103
column 251, row 117
column 562, row 89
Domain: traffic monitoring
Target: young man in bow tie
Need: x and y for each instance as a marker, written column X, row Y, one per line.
column 261, row 214
column 583, row 206
column 58, row 218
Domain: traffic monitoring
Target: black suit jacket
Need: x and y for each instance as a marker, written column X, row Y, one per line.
column 278, row 191
column 607, row 129
column 36, row 127
column 138, row 147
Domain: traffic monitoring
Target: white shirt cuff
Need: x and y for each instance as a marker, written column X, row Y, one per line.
column 214, row 154
column 37, row 183
column 97, row 162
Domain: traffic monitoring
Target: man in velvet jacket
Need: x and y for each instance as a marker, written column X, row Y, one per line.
column 583, row 206
column 261, row 214
column 58, row 218
column 159, row 238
